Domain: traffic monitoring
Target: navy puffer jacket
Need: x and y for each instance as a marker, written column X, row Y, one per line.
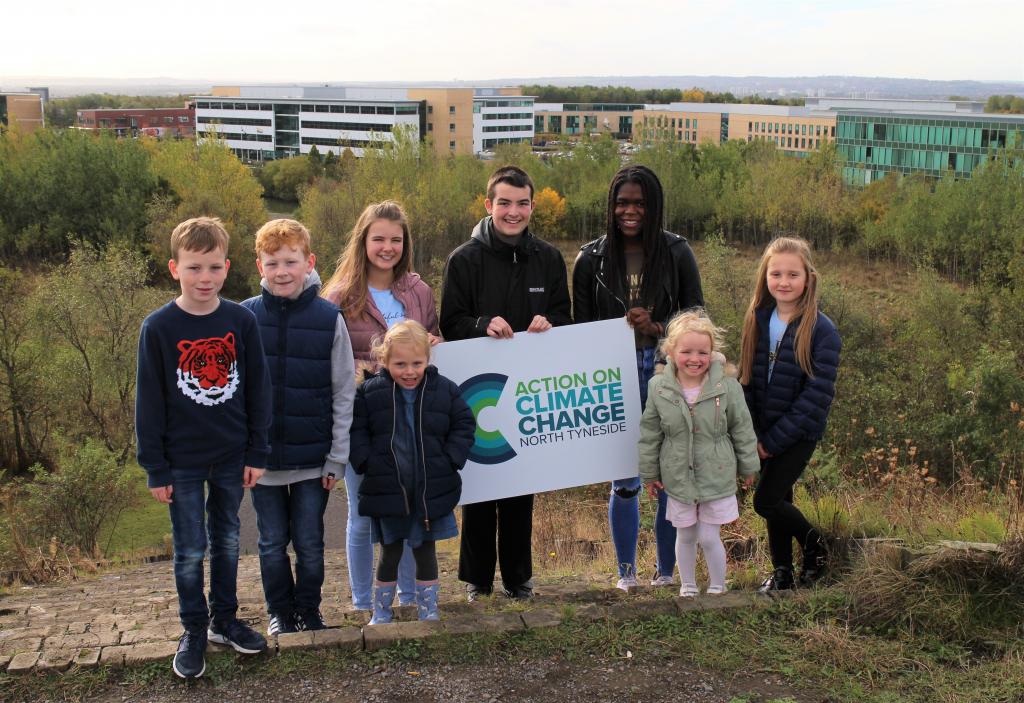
column 444, row 436
column 793, row 406
column 298, row 339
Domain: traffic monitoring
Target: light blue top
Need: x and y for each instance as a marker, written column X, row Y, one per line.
column 391, row 309
column 776, row 330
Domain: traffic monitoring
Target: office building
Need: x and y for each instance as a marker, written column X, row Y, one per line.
column 876, row 143
column 171, row 122
column 555, row 120
column 21, row 111
column 270, row 122
column 795, row 130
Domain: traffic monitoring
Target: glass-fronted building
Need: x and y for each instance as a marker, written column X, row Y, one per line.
column 874, row 144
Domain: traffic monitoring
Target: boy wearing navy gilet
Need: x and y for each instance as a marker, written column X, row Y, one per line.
column 309, row 355
column 202, row 410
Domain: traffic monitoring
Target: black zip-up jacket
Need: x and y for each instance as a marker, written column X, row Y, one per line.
column 486, row 278
column 596, row 298
column 444, row 435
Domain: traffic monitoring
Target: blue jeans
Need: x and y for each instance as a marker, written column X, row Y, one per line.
column 624, row 502
column 359, row 553
column 191, row 524
column 292, row 513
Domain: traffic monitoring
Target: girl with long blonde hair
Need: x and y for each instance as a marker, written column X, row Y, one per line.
column 788, row 363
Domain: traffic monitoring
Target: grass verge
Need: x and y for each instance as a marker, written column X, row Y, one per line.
column 811, row 641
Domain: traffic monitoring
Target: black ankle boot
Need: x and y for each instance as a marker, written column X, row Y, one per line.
column 815, row 564
column 780, row 580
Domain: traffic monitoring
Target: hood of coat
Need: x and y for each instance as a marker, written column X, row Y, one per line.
column 312, row 281
column 484, row 233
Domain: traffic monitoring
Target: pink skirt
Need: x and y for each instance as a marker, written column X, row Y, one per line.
column 720, row 511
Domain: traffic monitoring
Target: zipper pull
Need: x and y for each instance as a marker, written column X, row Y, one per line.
column 426, row 522
column 515, row 258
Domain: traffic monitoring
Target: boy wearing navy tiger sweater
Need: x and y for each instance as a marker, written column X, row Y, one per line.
column 202, row 413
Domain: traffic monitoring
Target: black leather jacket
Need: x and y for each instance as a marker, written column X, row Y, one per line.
column 596, row 298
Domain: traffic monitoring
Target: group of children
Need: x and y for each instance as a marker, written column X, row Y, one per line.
column 266, row 398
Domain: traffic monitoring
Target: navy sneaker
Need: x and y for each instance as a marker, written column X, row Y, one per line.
column 189, row 662
column 282, row 623
column 310, row 620
column 237, row 634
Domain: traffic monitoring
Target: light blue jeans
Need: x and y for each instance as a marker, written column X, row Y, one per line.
column 624, row 502
column 359, row 552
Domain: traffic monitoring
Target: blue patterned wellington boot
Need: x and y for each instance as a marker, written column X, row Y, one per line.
column 426, row 601
column 383, row 597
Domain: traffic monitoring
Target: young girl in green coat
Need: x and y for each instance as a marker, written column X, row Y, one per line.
column 695, row 436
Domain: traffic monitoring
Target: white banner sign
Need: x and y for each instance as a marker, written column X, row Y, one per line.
column 553, row 410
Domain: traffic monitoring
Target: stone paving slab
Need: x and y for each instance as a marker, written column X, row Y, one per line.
column 150, row 651
column 23, row 663
column 130, row 616
column 87, row 658
column 58, row 660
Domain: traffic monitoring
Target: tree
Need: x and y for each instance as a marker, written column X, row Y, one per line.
column 548, row 217
column 27, row 415
column 92, row 308
column 693, row 95
column 64, row 188
column 285, row 177
column 207, row 179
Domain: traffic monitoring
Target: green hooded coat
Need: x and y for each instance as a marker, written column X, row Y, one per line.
column 696, row 453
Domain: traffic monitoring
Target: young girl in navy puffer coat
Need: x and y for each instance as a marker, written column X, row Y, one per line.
column 411, row 434
column 790, row 354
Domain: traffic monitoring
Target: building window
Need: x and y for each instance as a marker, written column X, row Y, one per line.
column 451, row 109
column 430, row 109
column 451, row 146
column 430, row 126
column 451, row 127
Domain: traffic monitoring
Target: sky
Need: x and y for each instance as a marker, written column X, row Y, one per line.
column 443, row 40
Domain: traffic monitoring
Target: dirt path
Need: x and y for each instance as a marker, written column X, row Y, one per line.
column 592, row 681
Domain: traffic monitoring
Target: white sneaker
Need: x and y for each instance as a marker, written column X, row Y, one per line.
column 689, row 590
column 663, row 581
column 627, row 582
column 716, row 590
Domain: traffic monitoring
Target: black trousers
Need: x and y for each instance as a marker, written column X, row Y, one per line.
column 511, row 519
column 773, row 500
column 390, row 554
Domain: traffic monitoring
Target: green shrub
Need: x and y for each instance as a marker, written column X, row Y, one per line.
column 80, row 500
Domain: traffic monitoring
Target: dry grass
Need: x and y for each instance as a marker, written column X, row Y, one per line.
column 959, row 595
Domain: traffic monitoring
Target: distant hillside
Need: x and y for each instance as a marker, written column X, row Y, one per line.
column 776, row 86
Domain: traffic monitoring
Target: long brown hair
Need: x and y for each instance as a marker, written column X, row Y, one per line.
column 806, row 307
column 348, row 287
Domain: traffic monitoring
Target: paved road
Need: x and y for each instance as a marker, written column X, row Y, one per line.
column 334, row 523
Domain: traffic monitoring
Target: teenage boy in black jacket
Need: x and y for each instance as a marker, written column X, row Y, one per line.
column 503, row 280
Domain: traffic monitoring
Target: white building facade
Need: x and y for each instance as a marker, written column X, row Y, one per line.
column 501, row 119
column 266, row 123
